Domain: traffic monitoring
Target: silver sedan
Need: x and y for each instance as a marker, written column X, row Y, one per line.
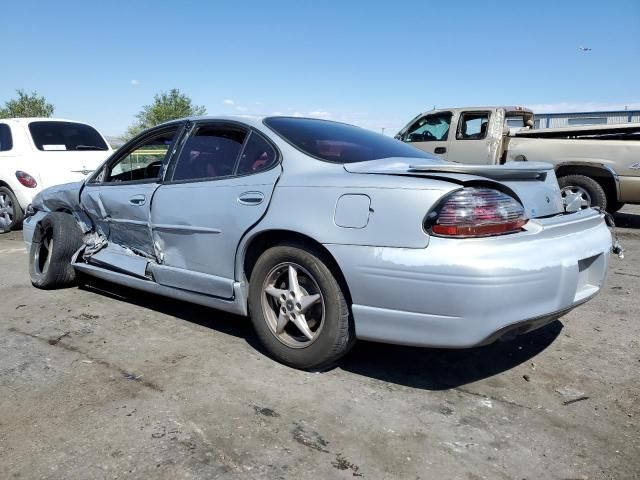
column 323, row 233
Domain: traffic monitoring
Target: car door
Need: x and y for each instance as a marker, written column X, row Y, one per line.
column 118, row 200
column 217, row 188
column 471, row 144
column 430, row 133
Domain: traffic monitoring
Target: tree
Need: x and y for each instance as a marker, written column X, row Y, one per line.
column 27, row 105
column 166, row 106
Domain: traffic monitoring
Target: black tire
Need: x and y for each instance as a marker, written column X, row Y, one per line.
column 597, row 196
column 336, row 335
column 613, row 206
column 56, row 238
column 16, row 215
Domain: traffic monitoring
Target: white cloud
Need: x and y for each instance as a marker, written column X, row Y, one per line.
column 258, row 103
column 570, row 107
column 320, row 114
column 135, row 83
column 228, row 102
column 240, row 108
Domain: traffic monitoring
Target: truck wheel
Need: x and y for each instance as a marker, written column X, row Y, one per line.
column 56, row 239
column 298, row 308
column 589, row 191
column 10, row 211
column 613, row 206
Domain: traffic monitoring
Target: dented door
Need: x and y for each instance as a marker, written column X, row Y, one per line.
column 221, row 185
column 118, row 200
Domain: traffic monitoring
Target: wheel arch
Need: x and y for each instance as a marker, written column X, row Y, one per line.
column 601, row 173
column 258, row 243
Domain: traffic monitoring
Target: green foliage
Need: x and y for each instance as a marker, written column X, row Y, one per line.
column 166, row 106
column 27, row 105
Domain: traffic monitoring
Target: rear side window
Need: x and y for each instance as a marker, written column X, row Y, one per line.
column 6, row 141
column 209, row 153
column 257, row 156
column 473, row 126
column 339, row 142
column 64, row 136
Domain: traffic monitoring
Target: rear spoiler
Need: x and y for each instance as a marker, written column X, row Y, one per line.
column 512, row 171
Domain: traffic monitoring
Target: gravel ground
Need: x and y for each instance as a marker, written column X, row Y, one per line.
column 103, row 382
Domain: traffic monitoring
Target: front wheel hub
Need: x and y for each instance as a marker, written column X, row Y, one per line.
column 293, row 305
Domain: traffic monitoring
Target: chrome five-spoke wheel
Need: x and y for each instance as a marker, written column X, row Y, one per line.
column 298, row 307
column 292, row 305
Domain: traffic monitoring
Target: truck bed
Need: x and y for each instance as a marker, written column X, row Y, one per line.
column 625, row 131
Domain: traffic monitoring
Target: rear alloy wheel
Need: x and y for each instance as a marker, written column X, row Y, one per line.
column 583, row 191
column 298, row 308
column 56, row 238
column 11, row 214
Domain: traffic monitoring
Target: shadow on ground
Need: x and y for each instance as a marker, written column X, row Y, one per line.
column 423, row 368
column 224, row 322
column 438, row 369
column 627, row 220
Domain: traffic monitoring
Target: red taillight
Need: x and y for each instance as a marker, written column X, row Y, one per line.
column 25, row 179
column 476, row 212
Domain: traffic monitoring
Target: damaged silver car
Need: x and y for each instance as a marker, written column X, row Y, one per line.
column 323, row 233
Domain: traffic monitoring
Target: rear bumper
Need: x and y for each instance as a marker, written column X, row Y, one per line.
column 25, row 195
column 463, row 293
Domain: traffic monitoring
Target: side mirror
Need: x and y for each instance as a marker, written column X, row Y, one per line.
column 506, row 131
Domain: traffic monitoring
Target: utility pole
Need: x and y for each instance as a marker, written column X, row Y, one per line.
column 382, row 130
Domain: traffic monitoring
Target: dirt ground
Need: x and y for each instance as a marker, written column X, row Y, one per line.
column 103, row 382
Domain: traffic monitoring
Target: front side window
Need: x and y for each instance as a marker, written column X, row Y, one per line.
column 473, row 126
column 339, row 142
column 430, row 128
column 211, row 152
column 65, row 136
column 143, row 161
column 6, row 141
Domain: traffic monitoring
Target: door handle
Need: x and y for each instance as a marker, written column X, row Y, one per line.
column 251, row 198
column 138, row 200
column 440, row 150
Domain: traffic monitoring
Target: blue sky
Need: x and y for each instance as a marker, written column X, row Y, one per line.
column 373, row 63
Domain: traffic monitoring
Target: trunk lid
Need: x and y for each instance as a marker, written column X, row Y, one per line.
column 533, row 183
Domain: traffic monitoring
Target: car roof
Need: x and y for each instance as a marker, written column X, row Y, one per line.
column 28, row 120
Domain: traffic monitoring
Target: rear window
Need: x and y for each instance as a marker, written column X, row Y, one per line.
column 57, row 136
column 339, row 142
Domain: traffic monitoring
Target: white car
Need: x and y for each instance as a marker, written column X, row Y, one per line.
column 36, row 153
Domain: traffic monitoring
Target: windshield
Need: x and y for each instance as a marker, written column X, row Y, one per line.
column 339, row 142
column 57, row 136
